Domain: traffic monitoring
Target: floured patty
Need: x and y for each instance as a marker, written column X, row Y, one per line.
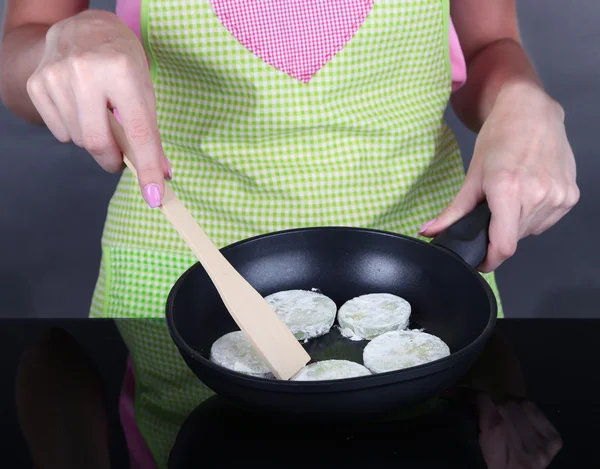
column 368, row 316
column 331, row 369
column 396, row 350
column 235, row 352
column 306, row 313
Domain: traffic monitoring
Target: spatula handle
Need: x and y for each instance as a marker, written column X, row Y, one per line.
column 181, row 219
column 266, row 331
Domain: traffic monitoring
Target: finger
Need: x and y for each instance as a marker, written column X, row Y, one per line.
column 492, row 436
column 167, row 169
column 553, row 197
column 139, row 123
column 537, row 192
column 540, row 421
column 96, row 135
column 553, row 448
column 521, row 438
column 504, row 230
column 532, row 448
column 166, row 165
column 530, row 221
column 63, row 97
column 489, row 417
column 465, row 201
column 494, row 448
column 545, row 455
column 546, row 220
column 47, row 109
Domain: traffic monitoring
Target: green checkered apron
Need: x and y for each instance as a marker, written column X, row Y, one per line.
column 254, row 149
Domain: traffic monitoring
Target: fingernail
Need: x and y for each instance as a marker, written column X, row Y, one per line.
column 170, row 176
column 427, row 225
column 152, row 195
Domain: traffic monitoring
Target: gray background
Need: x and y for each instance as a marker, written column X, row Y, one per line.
column 54, row 197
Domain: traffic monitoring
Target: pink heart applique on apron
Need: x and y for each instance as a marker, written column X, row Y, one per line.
column 297, row 37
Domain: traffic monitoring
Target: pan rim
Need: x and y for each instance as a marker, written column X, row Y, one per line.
column 348, row 384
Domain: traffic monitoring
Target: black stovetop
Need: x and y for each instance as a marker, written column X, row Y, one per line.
column 559, row 360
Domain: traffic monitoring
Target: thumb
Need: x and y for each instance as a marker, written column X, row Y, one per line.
column 465, row 201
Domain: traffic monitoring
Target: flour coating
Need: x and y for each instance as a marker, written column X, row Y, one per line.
column 368, row 316
column 235, row 352
column 331, row 369
column 307, row 314
column 396, row 350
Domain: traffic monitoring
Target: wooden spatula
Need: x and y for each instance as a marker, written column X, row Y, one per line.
column 267, row 333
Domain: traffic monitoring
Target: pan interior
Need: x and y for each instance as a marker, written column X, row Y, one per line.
column 447, row 298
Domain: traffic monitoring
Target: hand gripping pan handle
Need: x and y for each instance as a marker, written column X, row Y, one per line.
column 468, row 238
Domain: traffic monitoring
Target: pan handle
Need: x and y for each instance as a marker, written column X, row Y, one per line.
column 468, row 238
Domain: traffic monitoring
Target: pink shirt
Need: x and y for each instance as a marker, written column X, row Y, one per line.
column 141, row 458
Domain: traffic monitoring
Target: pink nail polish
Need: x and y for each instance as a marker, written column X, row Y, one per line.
column 427, row 225
column 152, row 195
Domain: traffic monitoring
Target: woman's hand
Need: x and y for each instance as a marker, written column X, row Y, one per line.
column 93, row 62
column 515, row 435
column 523, row 164
column 513, row 432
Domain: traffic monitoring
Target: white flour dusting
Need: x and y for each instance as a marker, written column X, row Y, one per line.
column 235, row 352
column 396, row 350
column 307, row 314
column 349, row 334
column 368, row 316
column 331, row 369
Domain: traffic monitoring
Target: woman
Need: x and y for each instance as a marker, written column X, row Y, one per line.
column 282, row 114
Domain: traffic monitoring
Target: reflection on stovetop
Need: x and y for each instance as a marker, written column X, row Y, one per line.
column 532, row 395
column 503, row 414
column 444, row 436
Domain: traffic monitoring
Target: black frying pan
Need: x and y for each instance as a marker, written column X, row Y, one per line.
column 449, row 299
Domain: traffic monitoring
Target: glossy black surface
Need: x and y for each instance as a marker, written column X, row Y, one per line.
column 444, row 437
column 559, row 360
column 449, row 299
